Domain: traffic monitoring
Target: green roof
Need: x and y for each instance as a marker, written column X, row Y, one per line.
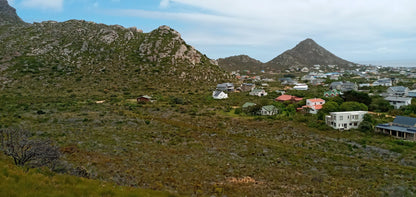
column 269, row 107
column 248, row 104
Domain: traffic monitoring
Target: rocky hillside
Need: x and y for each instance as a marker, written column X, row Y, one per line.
column 240, row 62
column 8, row 14
column 306, row 53
column 84, row 57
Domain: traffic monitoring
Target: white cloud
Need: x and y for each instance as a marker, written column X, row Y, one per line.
column 276, row 22
column 56, row 5
column 164, row 3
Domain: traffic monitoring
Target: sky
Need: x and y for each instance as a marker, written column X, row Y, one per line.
column 379, row 32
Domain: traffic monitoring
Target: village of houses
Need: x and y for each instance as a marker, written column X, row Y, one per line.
column 384, row 79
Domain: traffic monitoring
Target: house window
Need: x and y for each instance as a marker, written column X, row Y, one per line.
column 341, row 117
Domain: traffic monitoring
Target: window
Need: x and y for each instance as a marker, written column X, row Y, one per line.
column 341, row 117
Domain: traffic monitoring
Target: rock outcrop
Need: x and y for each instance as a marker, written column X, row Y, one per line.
column 8, row 14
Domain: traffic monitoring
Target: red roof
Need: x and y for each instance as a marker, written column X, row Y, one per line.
column 316, row 100
column 286, row 97
column 318, row 106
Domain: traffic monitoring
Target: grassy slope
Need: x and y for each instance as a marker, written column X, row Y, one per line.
column 17, row 182
column 196, row 149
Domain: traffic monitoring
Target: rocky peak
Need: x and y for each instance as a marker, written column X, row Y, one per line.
column 8, row 14
column 166, row 44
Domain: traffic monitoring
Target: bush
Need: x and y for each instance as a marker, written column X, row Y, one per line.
column 26, row 151
column 238, row 111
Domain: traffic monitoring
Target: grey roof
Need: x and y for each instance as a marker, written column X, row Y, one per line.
column 336, row 83
column 398, row 88
column 222, row 85
column 217, row 93
column 384, row 80
column 403, row 120
column 393, row 98
column 257, row 90
column 397, row 128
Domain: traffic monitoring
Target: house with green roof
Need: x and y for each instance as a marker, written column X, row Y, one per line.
column 248, row 104
column 268, row 110
column 332, row 93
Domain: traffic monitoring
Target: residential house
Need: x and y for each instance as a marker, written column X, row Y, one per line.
column 289, row 98
column 258, row 92
column 144, row 99
column 401, row 127
column 316, row 82
column 287, row 81
column 411, row 93
column 336, row 85
column 343, row 86
column 364, row 85
column 305, row 69
column 246, row 87
column 332, row 93
column 268, row 110
column 383, row 82
column 300, row 86
column 398, row 102
column 308, row 78
column 349, row 86
column 398, row 91
column 314, row 105
column 345, row 120
column 219, row 94
column 226, row 87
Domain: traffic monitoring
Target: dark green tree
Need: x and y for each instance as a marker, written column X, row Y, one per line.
column 353, row 106
column 360, row 97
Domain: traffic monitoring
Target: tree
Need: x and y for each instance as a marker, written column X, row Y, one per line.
column 353, row 106
column 360, row 97
column 329, row 106
column 26, row 151
column 379, row 104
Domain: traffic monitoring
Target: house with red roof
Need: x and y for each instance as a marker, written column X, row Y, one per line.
column 289, row 98
column 314, row 105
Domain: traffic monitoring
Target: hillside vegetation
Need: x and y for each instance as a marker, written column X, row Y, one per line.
column 16, row 181
column 75, row 83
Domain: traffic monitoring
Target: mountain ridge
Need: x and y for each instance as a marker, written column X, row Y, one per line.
column 305, row 54
column 93, row 56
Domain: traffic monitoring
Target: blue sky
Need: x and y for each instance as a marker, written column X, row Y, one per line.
column 363, row 31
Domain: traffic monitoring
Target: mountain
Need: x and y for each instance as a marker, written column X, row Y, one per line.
column 8, row 14
column 240, row 62
column 83, row 57
column 306, row 53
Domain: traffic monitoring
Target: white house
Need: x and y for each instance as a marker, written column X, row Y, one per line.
column 301, row 86
column 258, row 92
column 219, row 94
column 383, row 82
column 345, row 120
column 314, row 105
column 398, row 102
